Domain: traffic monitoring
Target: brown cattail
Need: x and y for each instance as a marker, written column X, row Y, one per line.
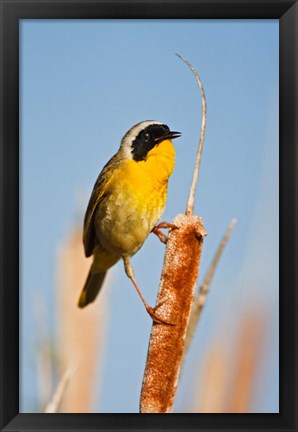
column 175, row 297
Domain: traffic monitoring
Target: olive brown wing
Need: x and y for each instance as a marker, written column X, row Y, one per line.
column 99, row 193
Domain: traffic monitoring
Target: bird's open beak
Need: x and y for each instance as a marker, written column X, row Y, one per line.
column 167, row 136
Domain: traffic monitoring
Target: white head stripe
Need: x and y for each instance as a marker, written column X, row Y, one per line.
column 132, row 134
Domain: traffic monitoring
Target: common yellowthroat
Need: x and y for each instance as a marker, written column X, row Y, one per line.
column 126, row 203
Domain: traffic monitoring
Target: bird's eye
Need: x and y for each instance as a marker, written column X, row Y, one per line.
column 146, row 136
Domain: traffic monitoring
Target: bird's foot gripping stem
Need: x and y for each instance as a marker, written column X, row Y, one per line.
column 166, row 225
column 156, row 319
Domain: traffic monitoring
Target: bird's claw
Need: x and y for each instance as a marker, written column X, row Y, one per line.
column 165, row 225
column 157, row 319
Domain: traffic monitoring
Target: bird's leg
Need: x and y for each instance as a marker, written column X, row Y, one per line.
column 156, row 230
column 151, row 311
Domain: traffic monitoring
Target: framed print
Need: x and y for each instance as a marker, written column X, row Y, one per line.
column 103, row 107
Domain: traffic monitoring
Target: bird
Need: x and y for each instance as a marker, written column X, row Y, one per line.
column 127, row 201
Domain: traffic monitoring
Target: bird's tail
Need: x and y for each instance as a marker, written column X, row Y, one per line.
column 91, row 288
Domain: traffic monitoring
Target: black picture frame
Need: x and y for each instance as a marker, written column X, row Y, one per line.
column 11, row 12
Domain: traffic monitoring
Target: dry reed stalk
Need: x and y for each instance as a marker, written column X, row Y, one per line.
column 53, row 405
column 204, row 288
column 228, row 376
column 175, row 298
column 213, row 380
column 246, row 358
column 80, row 332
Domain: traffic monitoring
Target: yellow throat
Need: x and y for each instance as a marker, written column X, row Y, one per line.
column 145, row 182
column 158, row 165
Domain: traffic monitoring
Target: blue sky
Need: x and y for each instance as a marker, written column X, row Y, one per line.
column 83, row 85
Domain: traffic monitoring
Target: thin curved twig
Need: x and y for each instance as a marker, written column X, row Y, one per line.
column 191, row 198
